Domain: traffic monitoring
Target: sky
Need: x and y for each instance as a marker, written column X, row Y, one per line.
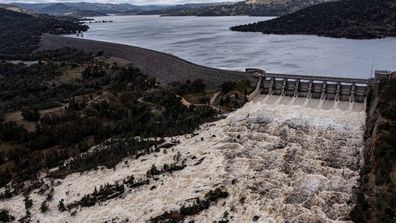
column 138, row 2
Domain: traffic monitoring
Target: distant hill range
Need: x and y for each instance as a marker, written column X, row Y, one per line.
column 60, row 9
column 250, row 7
column 21, row 31
column 83, row 9
column 14, row 8
column 356, row 19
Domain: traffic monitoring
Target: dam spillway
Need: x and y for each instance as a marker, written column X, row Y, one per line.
column 324, row 88
column 332, row 92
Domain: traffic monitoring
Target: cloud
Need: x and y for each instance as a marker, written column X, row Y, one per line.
column 140, row 2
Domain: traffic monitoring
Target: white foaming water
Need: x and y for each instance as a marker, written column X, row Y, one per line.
column 281, row 159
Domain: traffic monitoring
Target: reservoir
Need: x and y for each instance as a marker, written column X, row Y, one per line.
column 207, row 41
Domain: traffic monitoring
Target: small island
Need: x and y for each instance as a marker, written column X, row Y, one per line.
column 354, row 19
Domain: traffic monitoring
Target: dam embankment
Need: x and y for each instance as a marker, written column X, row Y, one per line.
column 164, row 67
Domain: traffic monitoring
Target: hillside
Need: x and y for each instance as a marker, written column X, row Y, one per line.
column 83, row 9
column 224, row 9
column 355, row 19
column 272, row 8
column 377, row 192
column 60, row 9
column 286, row 2
column 251, row 8
column 14, row 8
column 20, row 33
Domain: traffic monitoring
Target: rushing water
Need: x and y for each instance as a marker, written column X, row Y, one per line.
column 281, row 159
column 294, row 162
column 207, row 41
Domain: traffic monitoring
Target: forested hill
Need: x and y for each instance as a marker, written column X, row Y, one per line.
column 225, row 9
column 20, row 33
column 355, row 19
column 274, row 8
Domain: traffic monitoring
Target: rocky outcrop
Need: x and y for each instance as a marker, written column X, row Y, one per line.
column 376, row 200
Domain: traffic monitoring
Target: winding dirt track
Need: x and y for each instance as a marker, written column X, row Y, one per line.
column 164, row 67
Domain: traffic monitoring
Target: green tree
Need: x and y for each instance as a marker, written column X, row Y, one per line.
column 28, row 202
column 44, row 207
column 5, row 216
column 197, row 86
column 61, row 206
column 30, row 114
column 227, row 86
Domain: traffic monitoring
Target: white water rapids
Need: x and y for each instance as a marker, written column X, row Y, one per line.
column 281, row 160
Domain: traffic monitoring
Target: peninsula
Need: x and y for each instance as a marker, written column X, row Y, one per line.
column 354, row 19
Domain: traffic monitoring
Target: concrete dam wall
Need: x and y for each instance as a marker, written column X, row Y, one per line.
column 315, row 87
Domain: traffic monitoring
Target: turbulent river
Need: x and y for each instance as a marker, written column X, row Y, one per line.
column 208, row 41
column 281, row 159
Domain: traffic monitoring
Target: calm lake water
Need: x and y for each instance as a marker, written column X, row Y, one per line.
column 208, row 41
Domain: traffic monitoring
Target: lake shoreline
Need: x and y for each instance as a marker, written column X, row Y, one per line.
column 353, row 19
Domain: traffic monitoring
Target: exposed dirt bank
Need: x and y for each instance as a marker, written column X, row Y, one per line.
column 377, row 195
